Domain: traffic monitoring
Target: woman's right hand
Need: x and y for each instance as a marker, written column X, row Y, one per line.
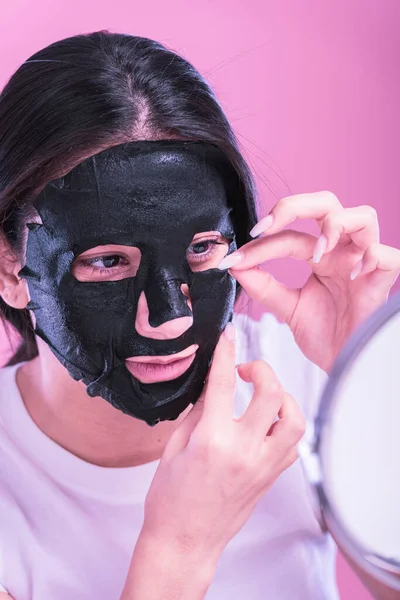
column 215, row 469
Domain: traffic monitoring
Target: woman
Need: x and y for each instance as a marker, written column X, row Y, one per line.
column 139, row 205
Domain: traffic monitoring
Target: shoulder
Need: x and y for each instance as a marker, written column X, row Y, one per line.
column 264, row 334
column 8, row 372
column 8, row 383
column 10, row 401
column 270, row 340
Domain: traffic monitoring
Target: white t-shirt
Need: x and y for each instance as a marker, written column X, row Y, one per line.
column 68, row 528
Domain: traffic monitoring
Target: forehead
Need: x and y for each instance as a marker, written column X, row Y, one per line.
column 131, row 192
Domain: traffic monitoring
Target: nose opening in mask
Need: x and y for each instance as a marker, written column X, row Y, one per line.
column 164, row 310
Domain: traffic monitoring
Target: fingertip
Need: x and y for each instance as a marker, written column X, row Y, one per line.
column 230, row 332
column 262, row 226
column 356, row 271
column 244, row 372
column 224, row 357
column 320, row 248
column 231, row 260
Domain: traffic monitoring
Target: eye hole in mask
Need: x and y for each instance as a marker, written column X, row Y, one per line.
column 107, row 263
column 206, row 251
column 113, row 263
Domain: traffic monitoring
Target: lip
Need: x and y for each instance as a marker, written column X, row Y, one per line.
column 155, row 369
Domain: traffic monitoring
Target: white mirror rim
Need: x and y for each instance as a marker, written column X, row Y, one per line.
column 358, row 487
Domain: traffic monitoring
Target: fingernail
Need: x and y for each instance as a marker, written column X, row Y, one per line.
column 320, row 248
column 262, row 226
column 230, row 332
column 230, row 261
column 356, row 270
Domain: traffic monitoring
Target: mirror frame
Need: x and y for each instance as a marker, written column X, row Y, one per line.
column 382, row 569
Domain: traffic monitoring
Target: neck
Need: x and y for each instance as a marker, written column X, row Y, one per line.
column 88, row 427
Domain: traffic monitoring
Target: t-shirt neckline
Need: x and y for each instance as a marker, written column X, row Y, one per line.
column 113, row 483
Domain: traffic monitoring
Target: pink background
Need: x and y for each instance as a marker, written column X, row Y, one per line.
column 311, row 87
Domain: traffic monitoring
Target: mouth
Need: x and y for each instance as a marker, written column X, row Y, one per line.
column 155, row 369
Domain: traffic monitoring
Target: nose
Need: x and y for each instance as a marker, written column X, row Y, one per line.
column 168, row 330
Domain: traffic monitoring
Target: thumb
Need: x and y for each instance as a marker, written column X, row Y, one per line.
column 264, row 288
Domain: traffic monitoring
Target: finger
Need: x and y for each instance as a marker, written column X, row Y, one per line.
column 360, row 223
column 285, row 244
column 265, row 289
column 267, row 397
column 181, row 436
column 290, row 428
column 384, row 258
column 382, row 263
column 220, row 391
column 300, row 206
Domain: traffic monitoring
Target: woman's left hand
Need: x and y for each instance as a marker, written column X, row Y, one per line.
column 352, row 272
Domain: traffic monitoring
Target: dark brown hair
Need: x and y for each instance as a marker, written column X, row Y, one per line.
column 86, row 93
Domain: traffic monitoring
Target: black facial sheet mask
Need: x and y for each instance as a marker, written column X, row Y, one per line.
column 155, row 196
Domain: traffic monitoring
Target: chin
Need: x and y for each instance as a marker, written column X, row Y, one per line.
column 153, row 402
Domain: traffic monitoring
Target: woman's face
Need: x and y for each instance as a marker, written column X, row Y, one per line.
column 122, row 272
column 115, row 263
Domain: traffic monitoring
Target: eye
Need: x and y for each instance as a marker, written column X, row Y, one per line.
column 207, row 253
column 105, row 262
column 109, row 264
column 202, row 247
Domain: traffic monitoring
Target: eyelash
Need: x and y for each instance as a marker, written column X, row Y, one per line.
column 204, row 256
column 88, row 262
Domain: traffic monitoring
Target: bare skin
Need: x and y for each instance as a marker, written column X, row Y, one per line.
column 88, row 427
column 352, row 272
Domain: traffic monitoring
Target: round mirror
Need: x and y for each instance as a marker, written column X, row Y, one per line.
column 353, row 461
